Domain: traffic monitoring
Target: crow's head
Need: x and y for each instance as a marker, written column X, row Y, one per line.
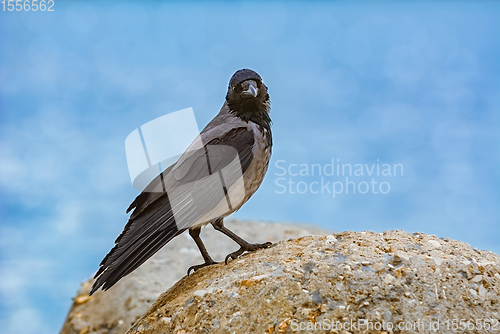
column 247, row 96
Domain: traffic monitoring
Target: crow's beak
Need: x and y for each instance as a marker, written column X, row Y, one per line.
column 250, row 92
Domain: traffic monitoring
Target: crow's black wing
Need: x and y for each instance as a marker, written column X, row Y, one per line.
column 152, row 224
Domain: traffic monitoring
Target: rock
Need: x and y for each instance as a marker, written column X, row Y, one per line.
column 383, row 280
column 114, row 311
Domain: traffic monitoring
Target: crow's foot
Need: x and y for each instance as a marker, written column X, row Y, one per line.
column 199, row 266
column 247, row 248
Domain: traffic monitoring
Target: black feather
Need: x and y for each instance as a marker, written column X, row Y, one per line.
column 152, row 224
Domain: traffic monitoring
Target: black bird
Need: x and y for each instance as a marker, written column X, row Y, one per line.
column 216, row 175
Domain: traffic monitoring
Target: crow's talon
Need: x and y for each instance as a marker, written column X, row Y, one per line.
column 199, row 266
column 249, row 248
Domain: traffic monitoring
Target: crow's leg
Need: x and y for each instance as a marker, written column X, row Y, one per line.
column 244, row 245
column 195, row 234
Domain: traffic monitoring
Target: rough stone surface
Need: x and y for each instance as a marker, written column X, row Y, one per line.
column 392, row 278
column 114, row 311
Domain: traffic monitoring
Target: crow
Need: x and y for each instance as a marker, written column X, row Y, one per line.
column 214, row 177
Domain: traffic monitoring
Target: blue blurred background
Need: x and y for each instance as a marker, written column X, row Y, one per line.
column 415, row 84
